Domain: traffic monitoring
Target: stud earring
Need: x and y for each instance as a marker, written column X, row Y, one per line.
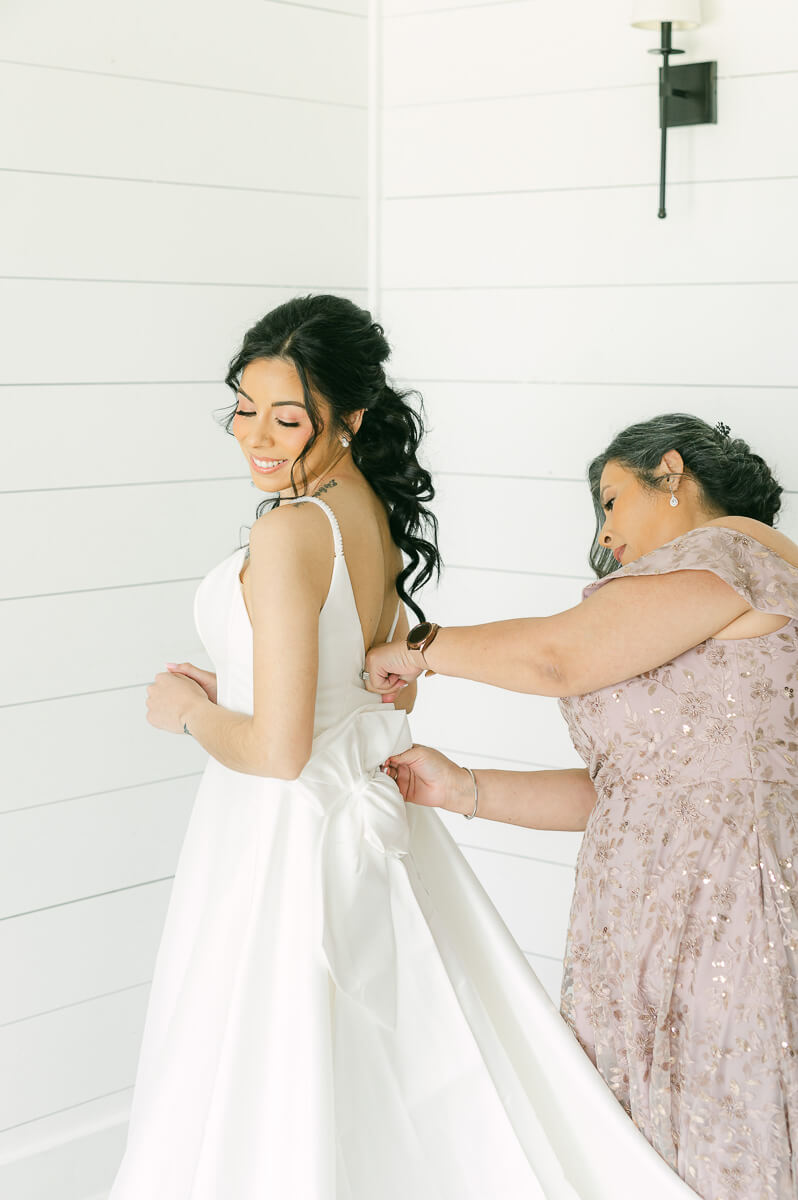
column 344, row 441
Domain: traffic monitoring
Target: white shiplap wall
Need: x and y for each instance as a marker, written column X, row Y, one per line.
column 538, row 303
column 171, row 172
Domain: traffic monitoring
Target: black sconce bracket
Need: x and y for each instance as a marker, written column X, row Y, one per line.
column 688, row 95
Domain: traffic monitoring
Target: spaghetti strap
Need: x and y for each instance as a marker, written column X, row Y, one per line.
column 339, row 545
column 395, row 621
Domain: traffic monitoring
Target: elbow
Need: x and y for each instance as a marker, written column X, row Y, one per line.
column 556, row 674
column 287, row 763
column 283, row 768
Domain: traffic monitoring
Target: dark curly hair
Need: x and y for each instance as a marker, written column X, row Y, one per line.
column 732, row 480
column 337, row 348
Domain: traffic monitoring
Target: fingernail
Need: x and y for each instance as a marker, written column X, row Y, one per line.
column 171, row 664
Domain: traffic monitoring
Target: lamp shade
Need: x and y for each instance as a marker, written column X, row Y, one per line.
column 650, row 14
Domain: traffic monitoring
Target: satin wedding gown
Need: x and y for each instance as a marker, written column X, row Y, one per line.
column 338, row 1011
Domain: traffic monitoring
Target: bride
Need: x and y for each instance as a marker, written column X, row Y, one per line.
column 337, row 1011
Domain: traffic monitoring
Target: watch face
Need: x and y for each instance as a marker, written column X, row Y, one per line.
column 418, row 633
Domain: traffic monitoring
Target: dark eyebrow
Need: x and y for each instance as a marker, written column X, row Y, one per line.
column 277, row 403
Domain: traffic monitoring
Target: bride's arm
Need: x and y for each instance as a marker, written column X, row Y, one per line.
column 290, row 567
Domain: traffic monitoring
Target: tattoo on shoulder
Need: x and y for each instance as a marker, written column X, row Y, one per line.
column 331, row 483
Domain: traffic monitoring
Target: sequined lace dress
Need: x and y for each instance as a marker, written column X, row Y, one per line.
column 681, row 964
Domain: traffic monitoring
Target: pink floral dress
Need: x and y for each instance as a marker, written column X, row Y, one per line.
column 681, row 965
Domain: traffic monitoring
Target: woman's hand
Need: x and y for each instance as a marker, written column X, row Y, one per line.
column 169, row 697
column 206, row 679
column 425, row 776
column 391, row 667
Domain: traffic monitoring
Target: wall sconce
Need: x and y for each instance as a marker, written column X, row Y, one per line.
column 688, row 94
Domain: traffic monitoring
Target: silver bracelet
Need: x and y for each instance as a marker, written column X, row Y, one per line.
column 470, row 816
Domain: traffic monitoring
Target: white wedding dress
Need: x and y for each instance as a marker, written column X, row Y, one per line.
column 338, row 1012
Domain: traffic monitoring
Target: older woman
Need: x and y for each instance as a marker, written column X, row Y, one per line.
column 678, row 683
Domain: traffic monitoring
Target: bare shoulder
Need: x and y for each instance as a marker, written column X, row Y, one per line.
column 298, row 539
column 774, row 539
column 282, row 526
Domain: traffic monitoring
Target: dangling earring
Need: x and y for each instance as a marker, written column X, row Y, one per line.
column 673, row 501
column 344, row 441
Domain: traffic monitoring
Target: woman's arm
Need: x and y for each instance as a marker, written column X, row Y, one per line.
column 631, row 625
column 536, row 799
column 291, row 565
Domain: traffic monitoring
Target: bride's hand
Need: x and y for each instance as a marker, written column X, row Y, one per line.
column 391, row 667
column 206, row 679
column 425, row 776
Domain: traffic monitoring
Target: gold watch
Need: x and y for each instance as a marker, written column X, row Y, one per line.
column 420, row 637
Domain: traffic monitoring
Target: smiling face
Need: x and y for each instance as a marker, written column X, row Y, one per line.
column 272, row 426
column 638, row 519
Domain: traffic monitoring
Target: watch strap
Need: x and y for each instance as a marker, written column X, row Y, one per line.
column 422, row 646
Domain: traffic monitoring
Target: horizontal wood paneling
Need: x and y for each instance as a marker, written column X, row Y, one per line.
column 71, row 1155
column 545, row 889
column 715, row 334
column 66, row 227
column 106, row 126
column 528, row 46
column 583, row 237
column 528, row 543
column 251, row 45
column 81, row 1168
column 491, row 428
column 78, row 332
column 56, row 749
column 60, row 852
column 516, row 524
column 550, row 845
column 151, row 533
column 587, row 139
column 461, row 715
column 470, row 595
column 53, row 647
column 150, row 433
column 71, row 1055
column 75, row 951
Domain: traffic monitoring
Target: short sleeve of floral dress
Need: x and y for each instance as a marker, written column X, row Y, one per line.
column 681, row 965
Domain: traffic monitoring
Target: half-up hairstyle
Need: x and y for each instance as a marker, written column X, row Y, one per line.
column 339, row 350
column 732, row 480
